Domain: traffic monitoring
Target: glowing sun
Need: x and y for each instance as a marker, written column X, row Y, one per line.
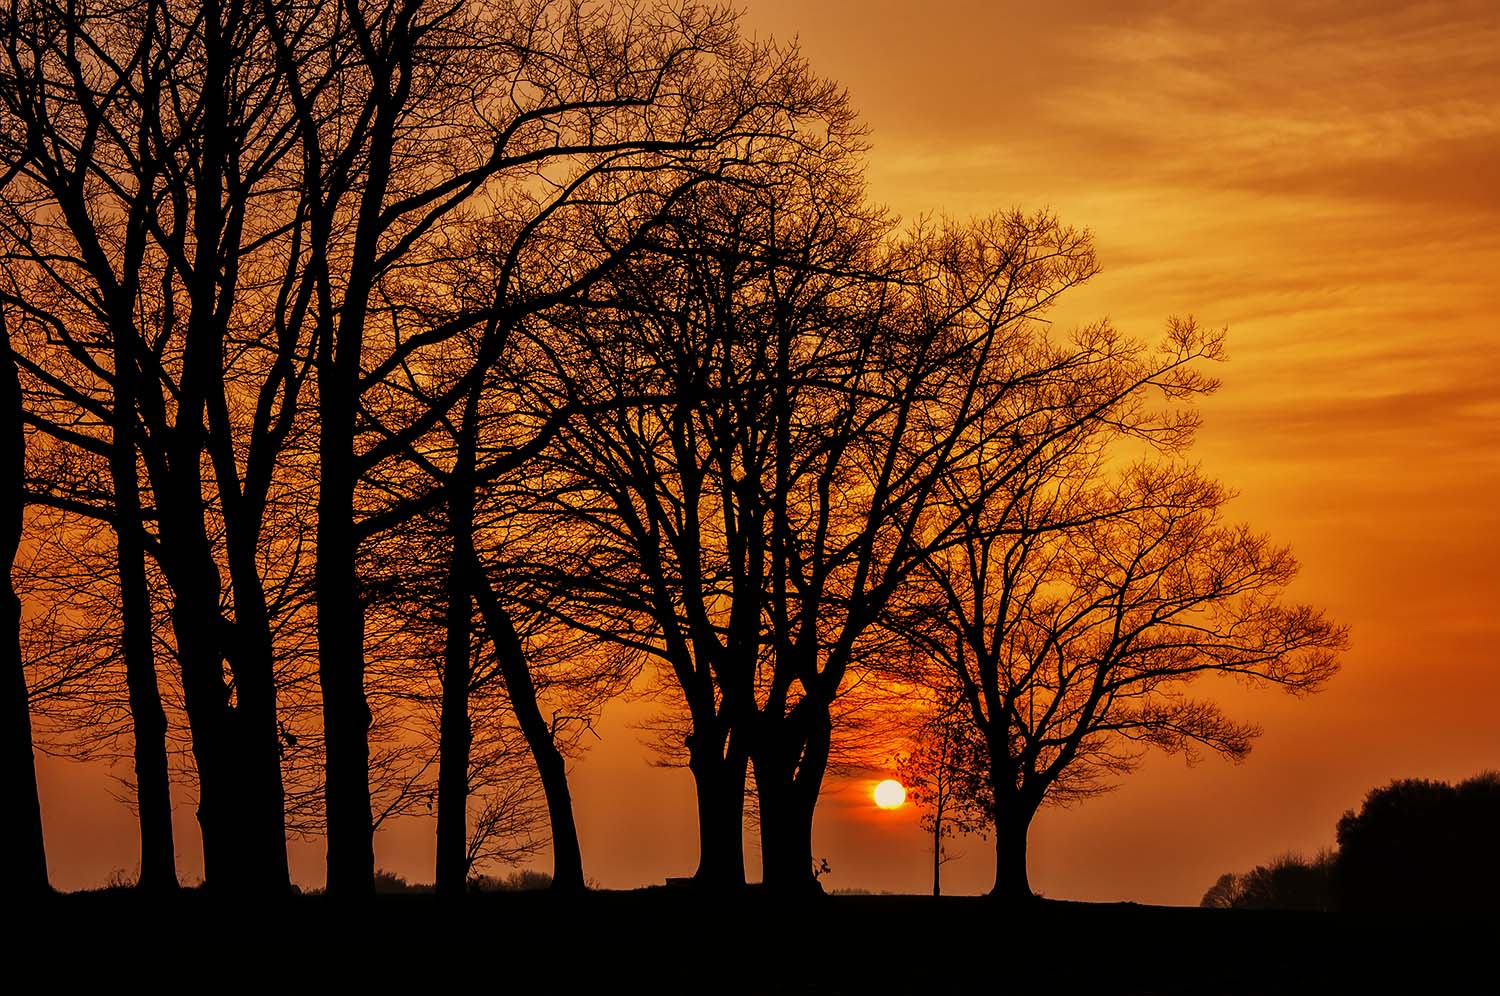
column 889, row 794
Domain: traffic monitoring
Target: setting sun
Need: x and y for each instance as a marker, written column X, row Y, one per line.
column 890, row 794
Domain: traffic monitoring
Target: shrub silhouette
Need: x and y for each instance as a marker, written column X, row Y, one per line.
column 389, row 883
column 1290, row 882
column 521, row 880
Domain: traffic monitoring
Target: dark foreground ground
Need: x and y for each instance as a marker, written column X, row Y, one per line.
column 676, row 941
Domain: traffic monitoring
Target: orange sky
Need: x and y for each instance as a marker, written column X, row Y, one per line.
column 1323, row 179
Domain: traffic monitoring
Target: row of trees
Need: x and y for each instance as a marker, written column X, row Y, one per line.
column 1413, row 844
column 394, row 383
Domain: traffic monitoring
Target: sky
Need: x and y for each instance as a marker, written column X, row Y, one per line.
column 1323, row 179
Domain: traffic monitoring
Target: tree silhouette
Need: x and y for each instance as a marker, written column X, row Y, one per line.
column 945, row 776
column 1290, row 882
column 1075, row 606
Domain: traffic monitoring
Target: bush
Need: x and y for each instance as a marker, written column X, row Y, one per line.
column 1290, row 882
column 521, row 880
column 389, row 883
column 1422, row 844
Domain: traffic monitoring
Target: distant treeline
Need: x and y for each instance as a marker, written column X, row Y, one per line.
column 1414, row 844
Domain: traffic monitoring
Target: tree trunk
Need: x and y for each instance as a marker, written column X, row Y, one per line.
column 206, row 699
column 455, row 739
column 23, row 840
column 567, row 857
column 937, row 852
column 341, row 669
column 148, row 718
column 788, row 781
column 187, row 559
column 1012, row 822
column 257, row 738
column 720, row 784
column 785, row 838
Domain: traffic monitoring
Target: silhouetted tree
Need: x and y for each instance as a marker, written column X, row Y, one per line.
column 1290, row 882
column 646, row 469
column 945, row 777
column 1075, row 606
column 1224, row 894
column 85, row 647
column 1419, row 844
column 23, row 817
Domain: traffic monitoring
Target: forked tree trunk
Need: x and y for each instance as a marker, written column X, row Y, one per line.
column 23, row 817
column 788, row 781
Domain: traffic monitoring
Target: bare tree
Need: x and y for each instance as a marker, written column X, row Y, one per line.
column 1079, row 602
column 943, row 778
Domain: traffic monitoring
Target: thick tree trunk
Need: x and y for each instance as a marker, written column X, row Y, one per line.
column 720, row 784
column 206, row 698
column 567, row 858
column 23, row 842
column 148, row 718
column 187, row 559
column 788, row 781
column 341, row 668
column 786, row 838
column 257, row 737
column 235, row 769
column 1012, row 822
column 455, row 739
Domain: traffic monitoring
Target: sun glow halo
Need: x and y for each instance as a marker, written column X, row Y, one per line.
column 890, row 794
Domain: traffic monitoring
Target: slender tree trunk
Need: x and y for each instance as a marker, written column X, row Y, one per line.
column 937, row 852
column 567, row 857
column 455, row 740
column 720, row 784
column 455, row 737
column 23, row 842
column 341, row 666
column 148, row 718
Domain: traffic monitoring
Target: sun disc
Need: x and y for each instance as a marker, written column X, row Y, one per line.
column 889, row 794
